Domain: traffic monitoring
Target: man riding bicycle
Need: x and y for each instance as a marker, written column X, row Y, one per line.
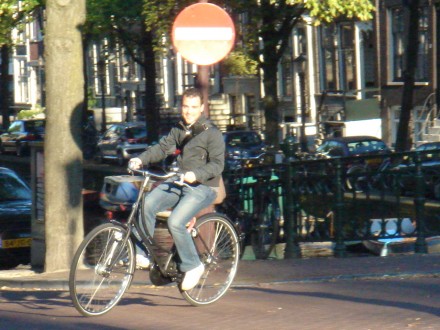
column 201, row 155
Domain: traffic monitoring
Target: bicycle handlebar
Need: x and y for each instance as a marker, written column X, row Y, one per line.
column 156, row 175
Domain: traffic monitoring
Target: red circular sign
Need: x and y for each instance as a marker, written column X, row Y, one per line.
column 203, row 33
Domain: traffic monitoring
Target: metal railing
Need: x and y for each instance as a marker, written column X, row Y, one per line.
column 390, row 197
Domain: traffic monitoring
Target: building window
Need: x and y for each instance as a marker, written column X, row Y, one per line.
column 347, row 59
column 422, row 54
column 328, row 58
column 338, row 57
column 398, row 42
column 23, row 81
column 286, row 79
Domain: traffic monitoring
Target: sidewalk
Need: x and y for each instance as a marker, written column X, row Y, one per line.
column 257, row 272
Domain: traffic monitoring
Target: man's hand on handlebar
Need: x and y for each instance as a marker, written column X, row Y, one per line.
column 190, row 177
column 134, row 164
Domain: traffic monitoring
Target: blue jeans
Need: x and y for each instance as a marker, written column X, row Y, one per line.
column 186, row 203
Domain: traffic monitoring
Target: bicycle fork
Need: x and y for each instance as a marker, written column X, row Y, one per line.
column 103, row 268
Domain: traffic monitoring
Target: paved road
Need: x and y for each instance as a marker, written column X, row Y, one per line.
column 382, row 303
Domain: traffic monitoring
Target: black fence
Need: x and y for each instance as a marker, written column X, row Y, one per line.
column 373, row 200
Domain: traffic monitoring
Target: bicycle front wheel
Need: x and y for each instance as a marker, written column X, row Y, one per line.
column 102, row 270
column 265, row 233
column 218, row 246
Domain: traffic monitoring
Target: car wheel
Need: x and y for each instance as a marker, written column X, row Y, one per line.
column 121, row 159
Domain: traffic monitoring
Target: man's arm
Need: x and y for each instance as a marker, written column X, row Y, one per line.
column 216, row 152
column 158, row 152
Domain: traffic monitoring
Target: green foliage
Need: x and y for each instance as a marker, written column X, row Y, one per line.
column 91, row 99
column 13, row 16
column 36, row 111
column 239, row 64
column 159, row 16
column 328, row 10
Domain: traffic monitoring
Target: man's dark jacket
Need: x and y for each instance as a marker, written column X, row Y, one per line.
column 202, row 150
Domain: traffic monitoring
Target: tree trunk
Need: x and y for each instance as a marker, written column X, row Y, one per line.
column 4, row 84
column 151, row 104
column 402, row 138
column 62, row 155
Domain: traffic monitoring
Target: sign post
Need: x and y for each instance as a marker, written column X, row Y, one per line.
column 203, row 34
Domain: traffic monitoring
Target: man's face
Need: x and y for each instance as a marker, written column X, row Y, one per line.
column 192, row 109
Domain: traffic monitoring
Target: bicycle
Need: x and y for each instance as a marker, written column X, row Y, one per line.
column 253, row 199
column 104, row 264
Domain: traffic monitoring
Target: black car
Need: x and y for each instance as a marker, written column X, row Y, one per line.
column 15, row 220
column 243, row 146
column 122, row 141
column 16, row 139
column 430, row 162
column 353, row 146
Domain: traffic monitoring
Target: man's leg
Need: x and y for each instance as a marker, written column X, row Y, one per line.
column 163, row 197
column 192, row 203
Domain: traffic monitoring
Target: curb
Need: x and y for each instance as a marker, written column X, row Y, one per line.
column 63, row 285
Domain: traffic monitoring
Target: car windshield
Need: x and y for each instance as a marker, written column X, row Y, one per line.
column 243, row 139
column 11, row 189
column 359, row 147
column 136, row 132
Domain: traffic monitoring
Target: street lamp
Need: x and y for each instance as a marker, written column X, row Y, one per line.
column 300, row 63
column 101, row 76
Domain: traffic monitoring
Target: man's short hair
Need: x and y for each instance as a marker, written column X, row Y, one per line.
column 193, row 92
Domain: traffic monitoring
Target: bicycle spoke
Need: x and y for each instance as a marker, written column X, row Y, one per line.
column 102, row 269
column 217, row 243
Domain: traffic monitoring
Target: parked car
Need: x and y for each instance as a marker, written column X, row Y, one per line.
column 352, row 146
column 428, row 158
column 15, row 220
column 20, row 133
column 430, row 163
column 122, row 141
column 241, row 146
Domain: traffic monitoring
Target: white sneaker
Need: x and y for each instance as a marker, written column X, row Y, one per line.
column 192, row 277
column 142, row 262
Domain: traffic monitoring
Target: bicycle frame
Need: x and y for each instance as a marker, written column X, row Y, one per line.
column 145, row 239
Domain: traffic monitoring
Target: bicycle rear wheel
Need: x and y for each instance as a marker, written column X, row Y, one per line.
column 217, row 243
column 102, row 270
column 265, row 234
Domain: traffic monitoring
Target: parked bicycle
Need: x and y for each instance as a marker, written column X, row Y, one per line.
column 104, row 264
column 253, row 199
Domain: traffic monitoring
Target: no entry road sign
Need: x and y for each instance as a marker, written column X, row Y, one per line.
column 203, row 33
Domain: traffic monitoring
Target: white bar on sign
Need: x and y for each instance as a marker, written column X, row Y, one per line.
column 203, row 33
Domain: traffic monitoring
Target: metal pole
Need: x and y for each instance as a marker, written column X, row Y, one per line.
column 101, row 74
column 340, row 248
column 291, row 249
column 203, row 80
column 419, row 202
column 303, row 111
column 203, row 84
column 104, row 123
column 437, row 64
